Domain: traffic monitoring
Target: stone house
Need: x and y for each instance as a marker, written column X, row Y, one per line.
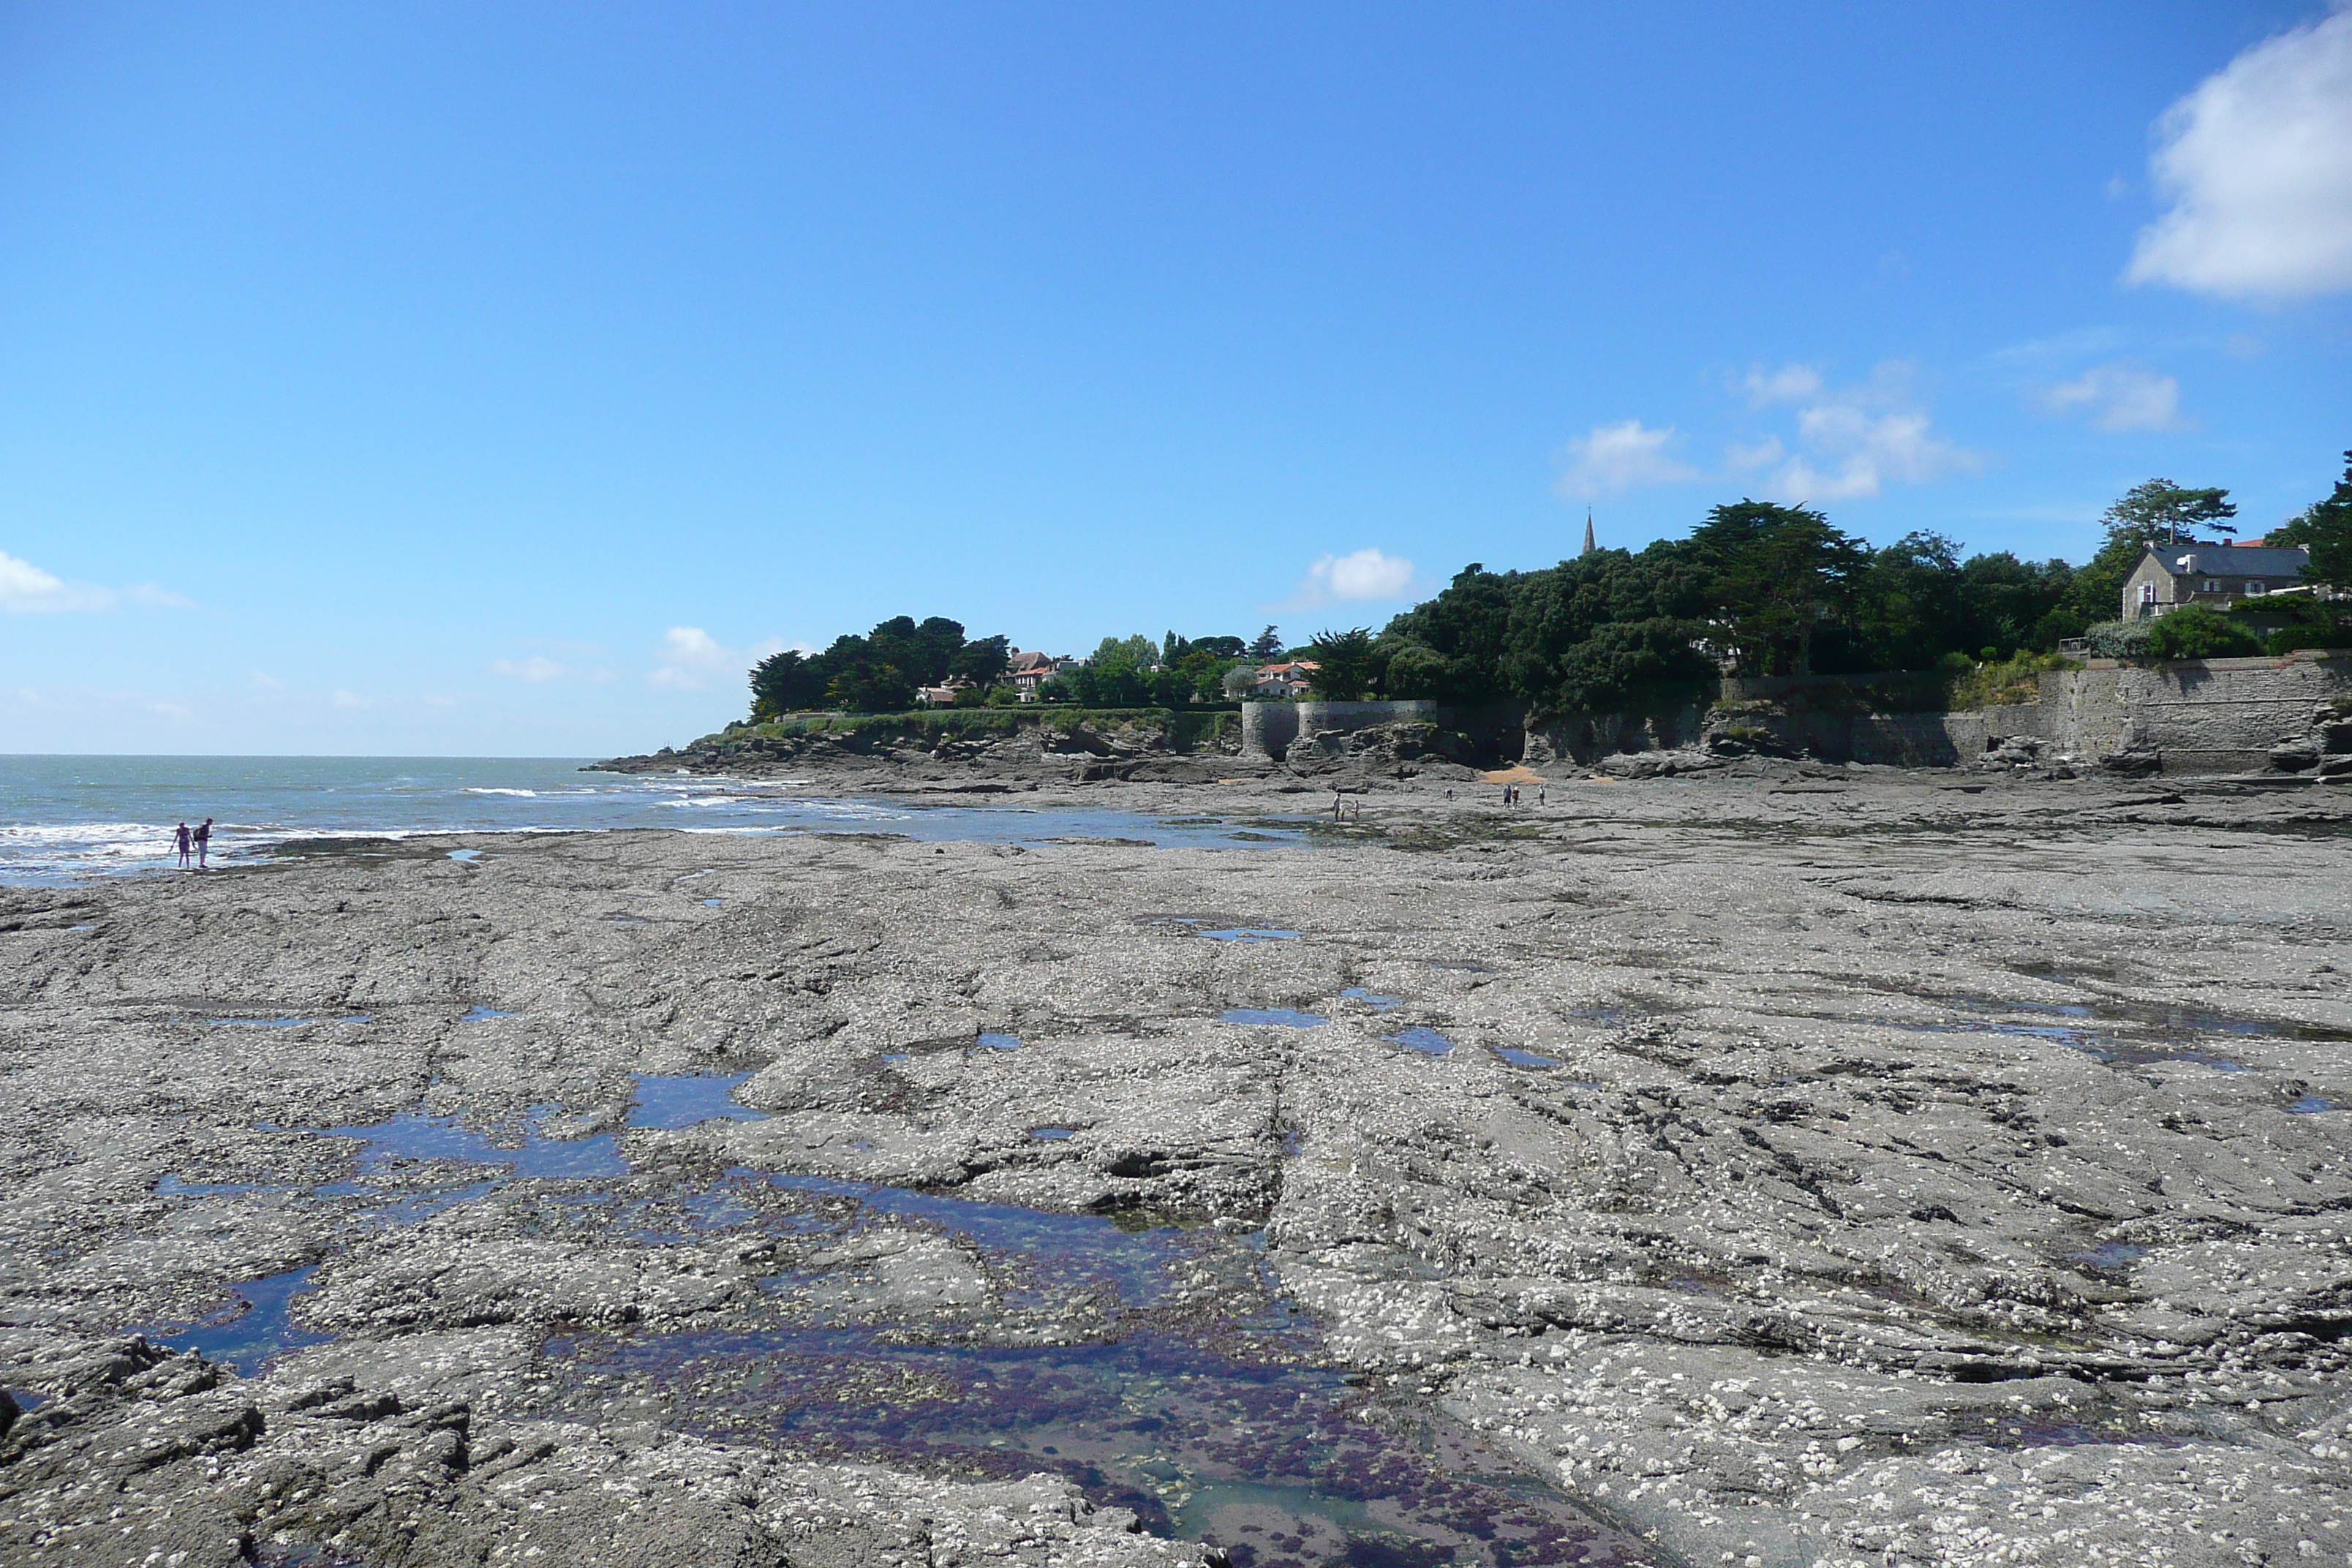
column 2171, row 575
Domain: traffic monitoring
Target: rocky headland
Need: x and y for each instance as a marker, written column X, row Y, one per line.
column 1781, row 1165
column 999, row 752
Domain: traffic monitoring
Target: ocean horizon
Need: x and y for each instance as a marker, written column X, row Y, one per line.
column 67, row 818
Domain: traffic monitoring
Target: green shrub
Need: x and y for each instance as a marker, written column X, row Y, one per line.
column 2118, row 639
column 2293, row 638
column 2005, row 683
column 2198, row 631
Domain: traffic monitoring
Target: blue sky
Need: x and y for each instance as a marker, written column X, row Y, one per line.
column 496, row 378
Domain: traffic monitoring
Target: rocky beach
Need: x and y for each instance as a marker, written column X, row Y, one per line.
column 1784, row 1164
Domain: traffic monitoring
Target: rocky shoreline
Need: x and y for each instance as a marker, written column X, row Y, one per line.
column 1782, row 1165
column 1037, row 751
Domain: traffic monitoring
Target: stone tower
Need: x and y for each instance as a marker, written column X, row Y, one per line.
column 1588, row 546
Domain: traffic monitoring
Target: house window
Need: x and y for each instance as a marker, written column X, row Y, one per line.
column 2256, row 588
column 2148, row 593
column 2212, row 586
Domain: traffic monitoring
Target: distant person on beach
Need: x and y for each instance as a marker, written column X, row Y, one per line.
column 181, row 838
column 1542, row 790
column 203, row 836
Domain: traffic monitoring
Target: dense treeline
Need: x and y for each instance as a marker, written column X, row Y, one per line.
column 882, row 671
column 1774, row 590
column 1759, row 588
column 879, row 672
column 1778, row 590
column 1134, row 673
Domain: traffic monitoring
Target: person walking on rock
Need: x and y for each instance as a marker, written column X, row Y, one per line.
column 179, row 838
column 203, row 836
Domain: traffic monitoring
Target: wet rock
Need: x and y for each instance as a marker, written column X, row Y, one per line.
column 1826, row 1164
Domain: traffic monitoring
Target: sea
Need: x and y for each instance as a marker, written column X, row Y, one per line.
column 65, row 819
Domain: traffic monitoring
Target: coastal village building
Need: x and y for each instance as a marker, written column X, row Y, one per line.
column 2171, row 575
column 1288, row 680
column 1026, row 671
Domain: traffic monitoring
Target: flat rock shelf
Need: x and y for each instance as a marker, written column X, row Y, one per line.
column 1692, row 1171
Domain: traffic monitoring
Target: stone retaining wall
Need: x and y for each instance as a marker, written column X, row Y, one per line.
column 2203, row 716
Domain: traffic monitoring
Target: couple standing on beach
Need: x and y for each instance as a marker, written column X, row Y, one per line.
column 199, row 842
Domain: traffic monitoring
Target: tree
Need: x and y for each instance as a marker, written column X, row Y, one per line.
column 1344, row 664
column 870, row 686
column 1632, row 664
column 1451, row 647
column 1779, row 572
column 877, row 672
column 1562, row 610
column 982, row 663
column 784, row 682
column 1907, row 610
column 2157, row 511
column 2008, row 605
column 1118, row 676
column 1266, row 645
column 2324, row 528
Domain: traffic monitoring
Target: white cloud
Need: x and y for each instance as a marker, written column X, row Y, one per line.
column 1364, row 574
column 1857, row 440
column 2120, row 397
column 2258, row 163
column 691, row 658
column 350, row 699
column 538, row 666
column 1790, row 384
column 1618, row 457
column 1367, row 575
column 1848, row 441
column 1864, row 452
column 25, row 589
column 24, row 586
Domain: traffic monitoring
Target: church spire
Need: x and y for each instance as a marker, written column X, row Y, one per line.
column 1588, row 546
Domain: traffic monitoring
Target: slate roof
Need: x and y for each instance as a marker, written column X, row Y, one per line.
column 2232, row 561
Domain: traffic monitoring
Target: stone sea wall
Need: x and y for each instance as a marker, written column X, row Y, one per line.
column 2205, row 716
